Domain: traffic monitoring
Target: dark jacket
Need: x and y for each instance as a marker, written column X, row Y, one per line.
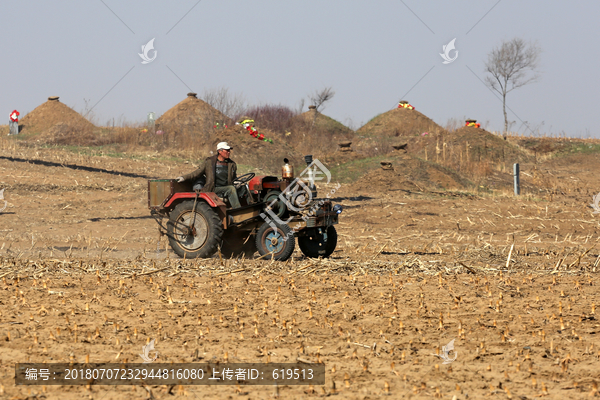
column 207, row 169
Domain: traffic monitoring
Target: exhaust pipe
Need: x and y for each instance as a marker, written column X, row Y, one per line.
column 287, row 171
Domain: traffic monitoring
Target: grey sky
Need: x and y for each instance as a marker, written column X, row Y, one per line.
column 371, row 53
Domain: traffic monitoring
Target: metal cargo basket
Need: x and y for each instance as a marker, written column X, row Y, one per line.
column 159, row 191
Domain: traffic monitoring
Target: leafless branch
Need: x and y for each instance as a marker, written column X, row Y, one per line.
column 512, row 65
column 320, row 97
column 228, row 104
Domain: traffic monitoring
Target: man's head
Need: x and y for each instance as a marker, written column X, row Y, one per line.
column 224, row 150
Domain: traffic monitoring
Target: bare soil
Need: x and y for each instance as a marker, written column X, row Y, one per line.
column 513, row 280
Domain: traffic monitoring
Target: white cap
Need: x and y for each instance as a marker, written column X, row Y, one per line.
column 223, row 146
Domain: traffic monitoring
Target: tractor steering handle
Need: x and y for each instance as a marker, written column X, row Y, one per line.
column 241, row 180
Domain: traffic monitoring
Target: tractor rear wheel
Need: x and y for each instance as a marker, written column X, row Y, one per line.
column 319, row 242
column 237, row 243
column 194, row 233
column 275, row 241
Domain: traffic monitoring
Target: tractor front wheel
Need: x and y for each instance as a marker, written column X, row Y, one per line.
column 319, row 242
column 275, row 241
column 194, row 233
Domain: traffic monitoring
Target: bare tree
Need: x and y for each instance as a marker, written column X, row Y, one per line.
column 228, row 104
column 320, row 97
column 512, row 65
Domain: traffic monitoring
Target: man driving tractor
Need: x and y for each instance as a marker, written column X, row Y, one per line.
column 216, row 174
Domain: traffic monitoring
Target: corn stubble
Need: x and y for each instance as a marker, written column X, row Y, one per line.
column 375, row 333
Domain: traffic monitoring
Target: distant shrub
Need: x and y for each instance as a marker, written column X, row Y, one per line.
column 275, row 117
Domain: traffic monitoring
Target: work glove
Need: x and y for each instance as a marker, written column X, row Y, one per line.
column 180, row 179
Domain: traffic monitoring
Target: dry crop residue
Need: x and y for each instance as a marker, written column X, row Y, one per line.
column 513, row 280
column 517, row 334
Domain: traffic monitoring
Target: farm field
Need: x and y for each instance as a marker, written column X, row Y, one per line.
column 257, row 201
column 86, row 277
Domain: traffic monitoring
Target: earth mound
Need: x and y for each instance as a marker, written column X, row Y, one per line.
column 410, row 173
column 400, row 122
column 317, row 134
column 191, row 115
column 323, row 123
column 468, row 144
column 52, row 113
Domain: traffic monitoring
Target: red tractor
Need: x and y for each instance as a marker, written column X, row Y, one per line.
column 274, row 213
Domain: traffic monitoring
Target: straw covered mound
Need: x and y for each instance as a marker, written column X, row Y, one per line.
column 53, row 113
column 191, row 114
column 400, row 122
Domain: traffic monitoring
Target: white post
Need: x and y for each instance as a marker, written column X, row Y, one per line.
column 151, row 121
column 13, row 123
column 14, row 128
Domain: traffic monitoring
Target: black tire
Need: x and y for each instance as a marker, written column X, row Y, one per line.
column 204, row 240
column 317, row 243
column 238, row 243
column 275, row 241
